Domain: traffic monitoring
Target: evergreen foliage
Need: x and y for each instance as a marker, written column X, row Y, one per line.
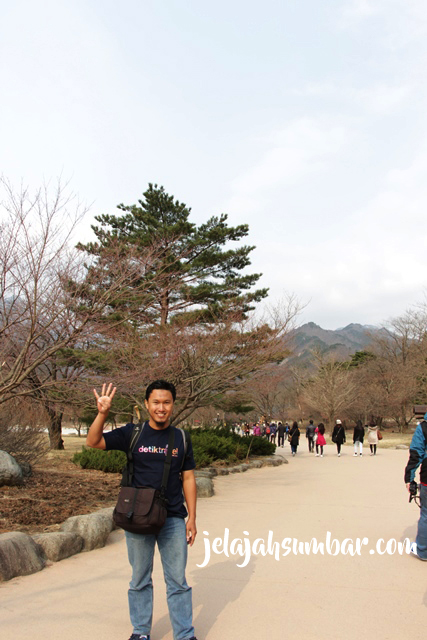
column 108, row 461
column 193, row 275
column 209, row 445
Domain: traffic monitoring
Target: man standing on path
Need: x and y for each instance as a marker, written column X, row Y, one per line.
column 417, row 457
column 309, row 434
column 172, row 540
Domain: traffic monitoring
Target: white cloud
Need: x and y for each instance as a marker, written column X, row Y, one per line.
column 378, row 99
column 401, row 21
column 356, row 10
column 304, row 147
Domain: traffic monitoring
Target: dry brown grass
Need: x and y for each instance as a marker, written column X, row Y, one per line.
column 390, row 440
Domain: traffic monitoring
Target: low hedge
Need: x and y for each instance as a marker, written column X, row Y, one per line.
column 108, row 461
column 221, row 443
column 209, row 445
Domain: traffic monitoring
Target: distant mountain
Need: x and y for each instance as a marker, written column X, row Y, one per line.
column 341, row 343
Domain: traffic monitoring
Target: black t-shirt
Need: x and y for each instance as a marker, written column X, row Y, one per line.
column 149, row 456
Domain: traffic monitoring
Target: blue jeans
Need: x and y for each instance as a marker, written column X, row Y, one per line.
column 421, row 539
column 172, row 544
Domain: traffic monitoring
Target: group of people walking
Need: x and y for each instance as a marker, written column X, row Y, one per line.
column 316, row 436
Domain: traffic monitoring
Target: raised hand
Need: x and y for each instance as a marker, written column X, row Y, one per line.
column 103, row 401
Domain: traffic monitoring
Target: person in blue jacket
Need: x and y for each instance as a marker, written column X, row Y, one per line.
column 417, row 457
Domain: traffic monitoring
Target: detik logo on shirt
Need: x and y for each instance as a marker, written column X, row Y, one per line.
column 163, row 450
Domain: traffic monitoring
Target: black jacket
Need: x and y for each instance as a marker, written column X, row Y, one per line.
column 358, row 434
column 338, row 434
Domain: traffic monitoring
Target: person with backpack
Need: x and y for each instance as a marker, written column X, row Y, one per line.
column 273, row 430
column 338, row 436
column 174, row 537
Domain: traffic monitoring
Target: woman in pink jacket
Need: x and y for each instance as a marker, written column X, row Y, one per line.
column 320, row 442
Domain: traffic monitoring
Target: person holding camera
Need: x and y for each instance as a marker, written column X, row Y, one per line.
column 417, row 457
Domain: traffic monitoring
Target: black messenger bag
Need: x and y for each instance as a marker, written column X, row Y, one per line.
column 142, row 509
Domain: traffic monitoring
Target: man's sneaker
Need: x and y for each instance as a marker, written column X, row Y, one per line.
column 137, row 636
column 414, row 552
column 355, row 454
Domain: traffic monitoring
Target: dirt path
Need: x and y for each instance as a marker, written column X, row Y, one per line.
column 304, row 597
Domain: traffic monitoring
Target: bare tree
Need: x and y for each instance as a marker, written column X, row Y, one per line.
column 395, row 376
column 205, row 361
column 332, row 389
column 21, row 431
column 50, row 299
column 266, row 390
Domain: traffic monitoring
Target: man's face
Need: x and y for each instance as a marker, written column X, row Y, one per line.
column 160, row 406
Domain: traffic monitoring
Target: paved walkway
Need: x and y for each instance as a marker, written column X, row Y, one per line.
column 300, row 597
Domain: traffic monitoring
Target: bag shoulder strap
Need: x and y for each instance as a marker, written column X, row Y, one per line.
column 168, row 461
column 185, row 441
column 136, row 432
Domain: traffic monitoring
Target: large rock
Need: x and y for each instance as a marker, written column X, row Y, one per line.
column 94, row 528
column 10, row 471
column 239, row 468
column 272, row 462
column 255, row 464
column 59, row 544
column 223, row 471
column 205, row 487
column 108, row 511
column 203, row 474
column 19, row 555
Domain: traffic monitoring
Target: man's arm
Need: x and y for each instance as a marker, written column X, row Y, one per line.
column 417, row 450
column 190, row 494
column 95, row 438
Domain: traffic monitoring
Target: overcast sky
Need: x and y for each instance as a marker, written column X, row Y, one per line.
column 305, row 119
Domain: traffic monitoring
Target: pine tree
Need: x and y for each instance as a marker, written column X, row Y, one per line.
column 194, row 276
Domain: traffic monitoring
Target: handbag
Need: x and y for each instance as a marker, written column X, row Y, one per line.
column 379, row 435
column 142, row 509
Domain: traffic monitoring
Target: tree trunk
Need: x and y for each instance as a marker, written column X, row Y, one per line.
column 164, row 308
column 55, row 429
